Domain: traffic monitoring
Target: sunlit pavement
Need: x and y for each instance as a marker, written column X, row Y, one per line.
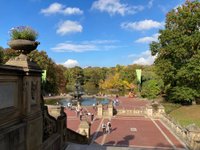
column 138, row 132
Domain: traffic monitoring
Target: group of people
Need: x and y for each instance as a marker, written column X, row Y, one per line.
column 80, row 113
column 131, row 94
column 106, row 128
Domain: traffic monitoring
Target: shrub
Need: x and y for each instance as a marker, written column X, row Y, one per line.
column 23, row 32
column 151, row 88
column 183, row 95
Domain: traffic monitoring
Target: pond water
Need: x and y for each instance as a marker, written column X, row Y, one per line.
column 86, row 101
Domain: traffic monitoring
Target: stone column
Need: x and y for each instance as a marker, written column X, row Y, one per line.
column 196, row 143
column 84, row 128
column 149, row 110
column 62, row 127
column 99, row 110
column 193, row 136
column 110, row 109
column 161, row 109
column 31, row 110
column 30, row 102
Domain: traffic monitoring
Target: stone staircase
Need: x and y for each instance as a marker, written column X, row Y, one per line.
column 73, row 146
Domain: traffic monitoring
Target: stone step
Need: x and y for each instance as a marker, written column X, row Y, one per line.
column 73, row 146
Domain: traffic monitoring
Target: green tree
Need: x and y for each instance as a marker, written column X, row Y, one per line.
column 128, row 73
column 73, row 75
column 152, row 84
column 46, row 63
column 60, row 78
column 9, row 53
column 92, row 77
column 1, row 55
column 178, row 52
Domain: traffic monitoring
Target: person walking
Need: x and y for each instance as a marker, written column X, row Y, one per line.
column 77, row 111
column 81, row 115
column 94, row 106
column 92, row 117
column 103, row 126
column 108, row 127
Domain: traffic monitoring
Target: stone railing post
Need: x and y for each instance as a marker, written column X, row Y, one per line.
column 196, row 141
column 61, row 126
column 149, row 111
column 84, row 128
column 99, row 110
column 110, row 109
column 161, row 109
column 193, row 136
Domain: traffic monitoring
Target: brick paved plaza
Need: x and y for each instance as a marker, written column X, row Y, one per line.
column 128, row 131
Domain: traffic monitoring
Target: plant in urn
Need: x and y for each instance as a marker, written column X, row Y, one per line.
column 23, row 40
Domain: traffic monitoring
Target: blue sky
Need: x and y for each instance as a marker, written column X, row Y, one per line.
column 100, row 33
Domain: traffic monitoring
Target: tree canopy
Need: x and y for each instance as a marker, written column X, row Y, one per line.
column 178, row 53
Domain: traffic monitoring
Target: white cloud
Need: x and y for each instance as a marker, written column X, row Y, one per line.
column 70, row 63
column 72, row 47
column 61, row 9
column 144, row 58
column 100, row 41
column 132, row 55
column 115, row 7
column 68, row 27
column 141, row 25
column 150, row 4
column 148, row 39
column 83, row 46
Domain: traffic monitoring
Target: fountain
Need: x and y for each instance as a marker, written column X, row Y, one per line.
column 77, row 100
column 78, row 92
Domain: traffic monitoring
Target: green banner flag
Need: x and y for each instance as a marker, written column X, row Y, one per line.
column 44, row 75
column 139, row 74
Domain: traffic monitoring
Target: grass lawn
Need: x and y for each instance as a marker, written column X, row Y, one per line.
column 169, row 107
column 51, row 101
column 186, row 115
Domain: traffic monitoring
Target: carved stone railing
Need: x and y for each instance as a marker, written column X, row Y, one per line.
column 101, row 112
column 49, row 122
column 52, row 143
column 54, row 130
column 132, row 112
column 54, row 110
column 75, row 137
column 190, row 135
column 67, row 135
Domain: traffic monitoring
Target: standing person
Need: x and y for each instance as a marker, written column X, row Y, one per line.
column 103, row 126
column 94, row 106
column 92, row 117
column 77, row 111
column 81, row 114
column 117, row 100
column 114, row 103
column 108, row 127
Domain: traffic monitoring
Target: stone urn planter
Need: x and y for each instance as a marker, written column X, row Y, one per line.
column 25, row 46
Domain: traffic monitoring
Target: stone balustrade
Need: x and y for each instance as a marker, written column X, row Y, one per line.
column 190, row 135
column 131, row 112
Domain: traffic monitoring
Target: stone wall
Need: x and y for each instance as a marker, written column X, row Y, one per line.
column 132, row 112
column 54, row 110
column 21, row 116
column 190, row 135
column 25, row 123
column 75, row 137
column 106, row 113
